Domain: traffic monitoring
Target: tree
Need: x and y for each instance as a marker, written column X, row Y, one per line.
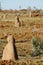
column 29, row 8
column 35, row 8
column 20, row 7
column 0, row 5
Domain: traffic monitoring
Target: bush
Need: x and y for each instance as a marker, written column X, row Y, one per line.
column 37, row 46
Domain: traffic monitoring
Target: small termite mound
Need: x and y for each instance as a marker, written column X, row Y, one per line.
column 17, row 22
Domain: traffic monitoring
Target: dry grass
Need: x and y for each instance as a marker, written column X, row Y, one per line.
column 23, row 36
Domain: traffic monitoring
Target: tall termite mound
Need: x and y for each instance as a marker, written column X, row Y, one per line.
column 10, row 51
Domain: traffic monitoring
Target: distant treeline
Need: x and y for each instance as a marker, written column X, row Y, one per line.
column 24, row 11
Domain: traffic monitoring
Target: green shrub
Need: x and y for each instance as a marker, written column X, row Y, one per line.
column 37, row 46
column 41, row 63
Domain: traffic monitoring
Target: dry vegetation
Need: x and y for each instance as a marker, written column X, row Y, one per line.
column 30, row 27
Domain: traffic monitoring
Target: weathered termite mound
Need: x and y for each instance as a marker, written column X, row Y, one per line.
column 10, row 51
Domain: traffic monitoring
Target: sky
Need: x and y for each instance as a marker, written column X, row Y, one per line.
column 15, row 4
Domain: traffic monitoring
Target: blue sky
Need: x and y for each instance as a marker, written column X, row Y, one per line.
column 14, row 4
